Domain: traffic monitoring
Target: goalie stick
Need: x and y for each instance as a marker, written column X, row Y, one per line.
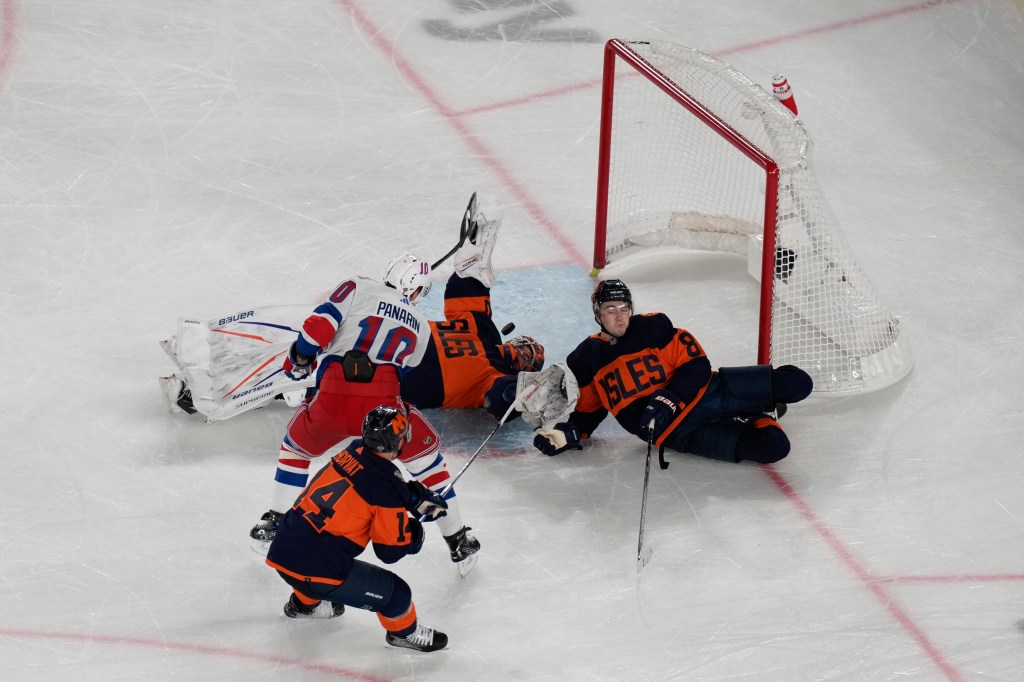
column 468, row 222
column 643, row 555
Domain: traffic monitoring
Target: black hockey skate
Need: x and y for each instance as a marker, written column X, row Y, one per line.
column 776, row 414
column 424, row 639
column 293, row 608
column 262, row 534
column 184, row 400
column 462, row 544
column 178, row 394
column 463, row 548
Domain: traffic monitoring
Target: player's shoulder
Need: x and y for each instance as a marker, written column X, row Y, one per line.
column 651, row 328
column 378, row 481
column 588, row 358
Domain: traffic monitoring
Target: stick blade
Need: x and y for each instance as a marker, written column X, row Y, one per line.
column 643, row 557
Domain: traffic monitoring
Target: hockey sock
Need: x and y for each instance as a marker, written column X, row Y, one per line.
column 398, row 616
column 304, row 600
column 790, row 384
column 763, row 441
column 291, row 477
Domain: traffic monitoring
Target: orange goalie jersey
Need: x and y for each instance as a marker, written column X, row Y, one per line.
column 466, row 365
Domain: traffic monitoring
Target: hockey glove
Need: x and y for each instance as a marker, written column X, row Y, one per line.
column 425, row 502
column 559, row 439
column 415, row 530
column 661, row 410
column 296, row 365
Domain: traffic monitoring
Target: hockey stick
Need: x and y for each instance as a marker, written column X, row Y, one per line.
column 644, row 555
column 508, row 413
column 467, row 218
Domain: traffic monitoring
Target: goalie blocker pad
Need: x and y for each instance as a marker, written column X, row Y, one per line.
column 547, row 397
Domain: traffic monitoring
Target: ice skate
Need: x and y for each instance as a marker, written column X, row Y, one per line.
column 294, row 608
column 463, row 548
column 262, row 534
column 424, row 639
column 177, row 394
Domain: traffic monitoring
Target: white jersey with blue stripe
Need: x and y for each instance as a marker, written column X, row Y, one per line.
column 367, row 316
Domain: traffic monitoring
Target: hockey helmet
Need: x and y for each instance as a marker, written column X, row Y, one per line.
column 524, row 353
column 386, row 429
column 410, row 275
column 610, row 290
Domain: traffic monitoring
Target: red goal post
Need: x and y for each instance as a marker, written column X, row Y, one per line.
column 693, row 154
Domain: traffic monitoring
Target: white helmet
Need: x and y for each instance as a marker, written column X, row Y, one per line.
column 410, row 275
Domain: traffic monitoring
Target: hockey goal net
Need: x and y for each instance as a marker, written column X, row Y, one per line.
column 693, row 154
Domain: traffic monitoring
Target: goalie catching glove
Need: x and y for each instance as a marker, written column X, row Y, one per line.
column 297, row 366
column 425, row 503
column 562, row 437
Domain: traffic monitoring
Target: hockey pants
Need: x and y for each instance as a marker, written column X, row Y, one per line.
column 367, row 587
column 335, row 413
column 712, row 430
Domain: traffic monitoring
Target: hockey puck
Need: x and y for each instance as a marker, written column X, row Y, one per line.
column 508, row 328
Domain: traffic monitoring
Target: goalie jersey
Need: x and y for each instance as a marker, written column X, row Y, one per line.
column 464, row 366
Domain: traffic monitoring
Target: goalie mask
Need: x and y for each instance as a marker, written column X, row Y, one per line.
column 410, row 275
column 386, row 429
column 524, row 354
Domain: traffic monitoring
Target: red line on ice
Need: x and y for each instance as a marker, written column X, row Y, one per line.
column 164, row 645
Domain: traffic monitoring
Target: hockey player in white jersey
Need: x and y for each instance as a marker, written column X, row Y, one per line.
column 357, row 341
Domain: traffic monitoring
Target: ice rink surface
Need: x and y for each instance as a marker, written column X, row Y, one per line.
column 167, row 159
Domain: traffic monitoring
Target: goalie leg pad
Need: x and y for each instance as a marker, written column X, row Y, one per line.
column 473, row 259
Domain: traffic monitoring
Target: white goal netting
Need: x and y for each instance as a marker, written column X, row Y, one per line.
column 696, row 155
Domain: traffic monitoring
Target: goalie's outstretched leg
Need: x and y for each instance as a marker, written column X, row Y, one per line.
column 473, row 259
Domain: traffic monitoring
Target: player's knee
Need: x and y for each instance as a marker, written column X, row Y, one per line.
column 764, row 442
column 422, row 429
column 790, row 384
column 401, row 598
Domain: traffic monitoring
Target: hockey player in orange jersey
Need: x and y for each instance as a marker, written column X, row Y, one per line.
column 466, row 364
column 359, row 498
column 358, row 341
column 657, row 382
column 371, row 344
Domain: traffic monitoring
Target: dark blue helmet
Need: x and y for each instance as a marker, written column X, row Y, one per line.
column 610, row 290
column 386, row 429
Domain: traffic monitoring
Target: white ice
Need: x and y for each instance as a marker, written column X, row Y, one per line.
column 161, row 159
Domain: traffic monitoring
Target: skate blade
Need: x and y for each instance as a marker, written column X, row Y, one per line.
column 259, row 546
column 645, row 556
column 466, row 565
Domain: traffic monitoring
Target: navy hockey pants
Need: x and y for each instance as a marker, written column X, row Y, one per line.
column 367, row 587
column 709, row 430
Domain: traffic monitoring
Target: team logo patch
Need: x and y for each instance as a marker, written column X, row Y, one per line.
column 428, row 440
